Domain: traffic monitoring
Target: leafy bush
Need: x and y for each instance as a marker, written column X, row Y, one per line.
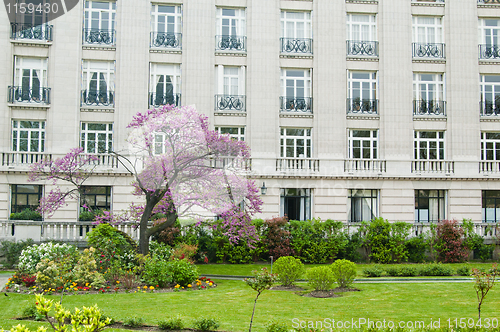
column 85, row 270
column 450, row 245
column 53, row 274
column 238, row 253
column 33, row 254
column 206, row 324
column 435, row 270
column 344, row 272
column 171, row 324
column 12, row 250
column 351, row 248
column 277, row 238
column 29, row 311
column 386, row 241
column 160, row 250
column 26, row 214
column 320, row 278
column 416, row 247
column 182, row 272
column 133, row 321
column 156, row 272
column 288, row 269
column 401, row 271
column 464, row 271
column 275, row 326
column 184, row 251
column 170, row 235
column 373, row 271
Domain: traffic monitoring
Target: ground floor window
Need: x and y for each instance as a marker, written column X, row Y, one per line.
column 491, row 205
column 429, row 205
column 25, row 196
column 96, row 198
column 296, row 203
column 362, row 205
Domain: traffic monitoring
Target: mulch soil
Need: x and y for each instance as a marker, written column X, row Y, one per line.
column 286, row 288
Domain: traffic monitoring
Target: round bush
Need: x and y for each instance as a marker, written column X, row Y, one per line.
column 288, row 269
column 182, row 271
column 320, row 278
column 33, row 255
column 344, row 272
column 156, row 272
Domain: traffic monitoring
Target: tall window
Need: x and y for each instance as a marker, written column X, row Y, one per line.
column 490, row 146
column 428, row 37
column 98, row 83
column 97, row 137
column 25, row 196
column 295, row 203
column 491, row 205
column 362, row 92
column 96, row 197
column 490, row 94
column 296, row 32
column 489, row 41
column 429, row 205
column 99, row 22
column 428, row 94
column 165, row 84
column 166, row 26
column 32, row 24
column 230, row 83
column 362, row 204
column 429, row 145
column 30, row 81
column 231, row 29
column 295, row 143
column 28, row 136
column 361, row 35
column 363, row 144
column 296, row 90
column 236, row 133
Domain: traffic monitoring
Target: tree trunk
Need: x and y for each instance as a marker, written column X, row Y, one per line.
column 253, row 312
column 143, row 227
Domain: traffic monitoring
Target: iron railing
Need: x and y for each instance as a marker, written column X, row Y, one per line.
column 30, row 31
column 487, row 52
column 301, row 104
column 363, row 48
column 230, row 103
column 156, row 99
column 428, row 50
column 99, row 36
column 230, row 43
column 489, row 1
column 362, row 106
column 296, row 45
column 166, row 39
column 490, row 108
column 429, row 107
column 29, row 95
column 98, row 98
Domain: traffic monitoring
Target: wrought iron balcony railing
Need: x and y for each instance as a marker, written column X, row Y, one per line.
column 428, row 50
column 296, row 45
column 362, row 106
column 489, row 1
column 301, row 104
column 28, row 31
column 490, row 108
column 489, row 52
column 365, row 165
column 19, row 94
column 432, row 166
column 166, row 39
column 99, row 36
column 98, row 98
column 297, row 164
column 230, row 43
column 362, row 48
column 156, row 99
column 230, row 103
column 429, row 107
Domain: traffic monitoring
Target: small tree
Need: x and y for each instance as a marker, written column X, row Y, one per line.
column 288, row 269
column 450, row 244
column 344, row 272
column 261, row 281
column 483, row 282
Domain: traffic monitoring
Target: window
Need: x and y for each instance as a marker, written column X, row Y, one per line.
column 165, row 85
column 362, row 204
column 166, row 25
column 96, row 197
column 490, row 146
column 429, row 205
column 98, row 83
column 97, row 137
column 295, row 143
column 30, row 81
column 28, row 136
column 231, row 29
column 296, row 32
column 295, row 203
column 25, row 196
column 429, row 145
column 32, row 24
column 491, row 205
column 490, row 94
column 489, row 41
column 363, row 144
column 99, row 22
column 236, row 133
column 296, row 90
column 428, row 37
column 230, row 83
column 362, row 92
column 361, row 35
column 428, row 94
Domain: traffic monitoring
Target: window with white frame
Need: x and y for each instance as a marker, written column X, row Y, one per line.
column 28, row 136
column 490, row 94
column 361, row 34
column 362, row 92
column 363, row 144
column 296, row 90
column 32, row 23
column 362, row 205
column 231, row 29
column 96, row 137
column 490, row 146
column 166, row 25
column 164, row 84
column 99, row 22
column 491, row 205
column 296, row 32
column 230, row 83
column 295, row 143
column 430, row 205
column 428, row 40
column 30, row 80
column 429, row 145
column 489, row 38
column 236, row 133
column 295, row 203
column 98, row 82
column 428, row 94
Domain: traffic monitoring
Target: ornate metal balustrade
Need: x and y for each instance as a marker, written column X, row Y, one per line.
column 362, row 48
column 19, row 94
column 303, row 104
column 28, row 31
column 362, row 106
column 297, row 164
column 428, row 50
column 489, row 166
column 489, row 52
column 365, row 165
column 489, row 1
column 490, row 108
column 230, row 43
column 230, row 103
column 99, row 36
column 432, row 166
column 98, row 98
column 156, row 99
column 429, row 107
column 166, row 39
column 23, row 158
column 296, row 45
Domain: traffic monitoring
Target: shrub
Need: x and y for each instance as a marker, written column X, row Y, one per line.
column 401, row 271
column 160, row 250
column 350, row 250
column 392, row 271
column 464, row 271
column 344, row 272
column 387, row 240
column 450, row 244
column 182, row 272
column 184, row 251
column 32, row 255
column 171, row 324
column 26, row 214
column 206, row 324
column 29, row 311
column 435, row 270
column 12, row 250
column 53, row 274
column 373, row 271
column 288, row 269
column 133, row 321
column 85, row 270
column 274, row 326
column 170, row 235
column 416, row 247
column 320, row 278
column 156, row 272
column 277, row 238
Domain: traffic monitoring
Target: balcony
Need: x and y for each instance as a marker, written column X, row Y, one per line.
column 365, row 165
column 362, row 48
column 489, row 52
column 105, row 160
column 166, row 40
column 428, row 50
column 231, row 43
column 432, row 166
column 302, row 104
column 99, row 37
column 297, row 164
column 230, row 163
column 30, row 32
column 19, row 94
column 98, row 98
column 428, row 1
column 12, row 159
column 362, row 106
column 230, row 103
column 489, row 166
column 156, row 99
column 486, row 2
column 296, row 45
column 429, row 107
column 490, row 108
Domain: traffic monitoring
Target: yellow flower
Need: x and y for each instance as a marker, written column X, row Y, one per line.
column 87, row 284
column 145, row 287
column 182, row 287
column 144, row 291
column 118, row 281
column 67, row 288
column 207, row 282
column 76, row 288
column 151, row 287
column 189, row 286
column 210, row 284
column 177, row 286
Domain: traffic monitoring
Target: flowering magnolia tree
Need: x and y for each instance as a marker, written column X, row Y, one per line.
column 181, row 168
